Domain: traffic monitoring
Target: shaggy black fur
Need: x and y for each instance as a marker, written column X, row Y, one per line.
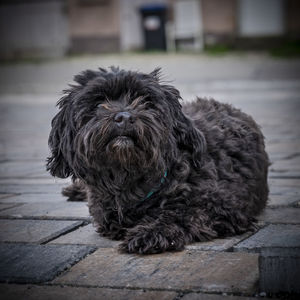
column 156, row 175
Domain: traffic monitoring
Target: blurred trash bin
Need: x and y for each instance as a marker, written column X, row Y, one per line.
column 153, row 23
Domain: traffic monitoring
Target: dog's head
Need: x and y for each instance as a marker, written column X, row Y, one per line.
column 122, row 120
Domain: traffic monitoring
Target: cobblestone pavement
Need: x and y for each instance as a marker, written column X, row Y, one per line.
column 48, row 247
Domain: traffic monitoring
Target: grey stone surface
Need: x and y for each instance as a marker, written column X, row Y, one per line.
column 31, row 188
column 279, row 270
column 186, row 270
column 5, row 196
column 218, row 244
column 283, row 236
column 85, row 235
column 290, row 164
column 282, row 215
column 201, row 296
column 34, row 180
column 34, row 292
column 284, row 190
column 33, row 231
column 285, row 182
column 282, row 200
column 9, row 169
column 286, row 174
column 184, row 68
column 33, row 198
column 37, row 263
column 26, row 147
column 4, row 206
column 63, row 209
column 284, row 149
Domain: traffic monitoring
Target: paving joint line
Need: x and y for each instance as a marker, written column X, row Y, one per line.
column 189, row 290
column 15, row 204
column 280, row 206
column 80, row 224
column 284, row 177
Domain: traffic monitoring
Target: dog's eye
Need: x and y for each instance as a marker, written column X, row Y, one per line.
column 102, row 105
column 149, row 105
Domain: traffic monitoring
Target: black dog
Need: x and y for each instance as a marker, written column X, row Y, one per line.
column 156, row 175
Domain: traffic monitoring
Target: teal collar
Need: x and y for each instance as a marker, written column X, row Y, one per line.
column 154, row 190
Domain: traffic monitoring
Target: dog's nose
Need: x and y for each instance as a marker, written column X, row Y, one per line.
column 123, row 117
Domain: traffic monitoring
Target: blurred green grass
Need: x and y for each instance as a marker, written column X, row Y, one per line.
column 216, row 50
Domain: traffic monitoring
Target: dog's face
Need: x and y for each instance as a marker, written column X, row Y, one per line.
column 119, row 120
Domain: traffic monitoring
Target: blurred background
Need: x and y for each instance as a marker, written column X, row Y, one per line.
column 55, row 28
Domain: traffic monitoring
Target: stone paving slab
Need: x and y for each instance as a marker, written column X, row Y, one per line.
column 201, row 296
column 34, row 180
column 4, row 206
column 4, row 196
column 37, row 263
column 187, row 270
column 276, row 189
column 19, row 151
column 53, row 188
column 33, row 198
column 279, row 235
column 282, row 200
column 34, row 292
column 85, row 235
column 219, row 244
column 286, row 165
column 284, row 149
column 285, row 175
column 279, row 270
column 34, row 231
column 21, row 144
column 64, row 209
column 279, row 182
column 22, row 168
column 282, row 215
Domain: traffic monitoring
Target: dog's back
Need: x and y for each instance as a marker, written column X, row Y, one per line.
column 236, row 143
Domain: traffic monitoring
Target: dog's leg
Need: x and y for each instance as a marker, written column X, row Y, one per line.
column 170, row 231
column 75, row 192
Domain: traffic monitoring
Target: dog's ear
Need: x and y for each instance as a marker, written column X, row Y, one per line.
column 63, row 129
column 189, row 138
column 60, row 141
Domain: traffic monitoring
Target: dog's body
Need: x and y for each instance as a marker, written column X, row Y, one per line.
column 156, row 175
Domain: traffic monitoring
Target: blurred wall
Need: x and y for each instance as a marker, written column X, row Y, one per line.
column 259, row 18
column 94, row 25
column 219, row 21
column 49, row 28
column 33, row 29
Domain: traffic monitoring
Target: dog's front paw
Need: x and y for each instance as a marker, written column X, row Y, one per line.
column 142, row 241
